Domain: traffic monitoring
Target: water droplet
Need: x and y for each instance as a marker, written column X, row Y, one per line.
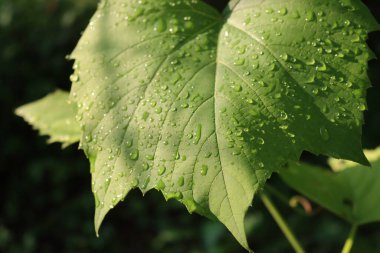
column 189, row 25
column 135, row 182
column 355, row 38
column 190, row 205
column 145, row 116
column 74, row 78
column 145, row 184
column 134, row 155
column 362, row 107
column 129, row 143
column 311, row 79
column 237, row 87
column 310, row 16
column 204, row 170
column 250, row 101
column 158, row 110
column 181, row 181
column 296, row 15
column 310, row 61
column 160, row 185
column 282, row 11
column 239, row 61
column 269, row 11
column 149, row 157
column 322, row 67
column 324, row 133
column 255, row 66
column 197, row 134
column 260, row 141
column 88, row 138
column 283, row 115
column 145, row 166
column 161, row 170
column 284, row 56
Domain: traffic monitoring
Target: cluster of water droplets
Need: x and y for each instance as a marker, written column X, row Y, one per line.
column 320, row 63
column 147, row 100
column 138, row 110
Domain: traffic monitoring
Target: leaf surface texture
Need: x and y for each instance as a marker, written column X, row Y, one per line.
column 204, row 107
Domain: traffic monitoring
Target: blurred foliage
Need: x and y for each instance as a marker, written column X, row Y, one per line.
column 46, row 203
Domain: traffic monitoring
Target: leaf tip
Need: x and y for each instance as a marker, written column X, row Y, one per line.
column 363, row 160
column 100, row 214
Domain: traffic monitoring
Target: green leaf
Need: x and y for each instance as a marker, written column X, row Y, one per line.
column 351, row 193
column 203, row 107
column 53, row 115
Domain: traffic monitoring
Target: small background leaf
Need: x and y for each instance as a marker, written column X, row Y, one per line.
column 351, row 193
column 53, row 115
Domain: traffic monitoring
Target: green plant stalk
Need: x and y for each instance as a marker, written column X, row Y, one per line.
column 350, row 240
column 282, row 223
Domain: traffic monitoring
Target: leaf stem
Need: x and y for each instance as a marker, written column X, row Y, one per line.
column 282, row 223
column 350, row 239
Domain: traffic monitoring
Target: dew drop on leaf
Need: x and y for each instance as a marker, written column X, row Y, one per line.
column 134, row 155
column 310, row 16
column 362, row 107
column 283, row 115
column 160, row 185
column 282, row 11
column 324, row 133
column 135, row 182
column 204, row 170
column 197, row 134
column 181, row 181
column 161, row 170
column 74, row 78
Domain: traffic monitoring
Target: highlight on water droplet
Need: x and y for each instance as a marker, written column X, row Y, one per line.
column 74, row 78
column 324, row 133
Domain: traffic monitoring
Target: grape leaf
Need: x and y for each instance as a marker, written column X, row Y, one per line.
column 351, row 193
column 53, row 115
column 204, row 107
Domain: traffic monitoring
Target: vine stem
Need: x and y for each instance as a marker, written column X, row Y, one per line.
column 282, row 224
column 350, row 240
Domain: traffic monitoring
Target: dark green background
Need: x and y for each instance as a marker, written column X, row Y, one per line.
column 46, row 203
